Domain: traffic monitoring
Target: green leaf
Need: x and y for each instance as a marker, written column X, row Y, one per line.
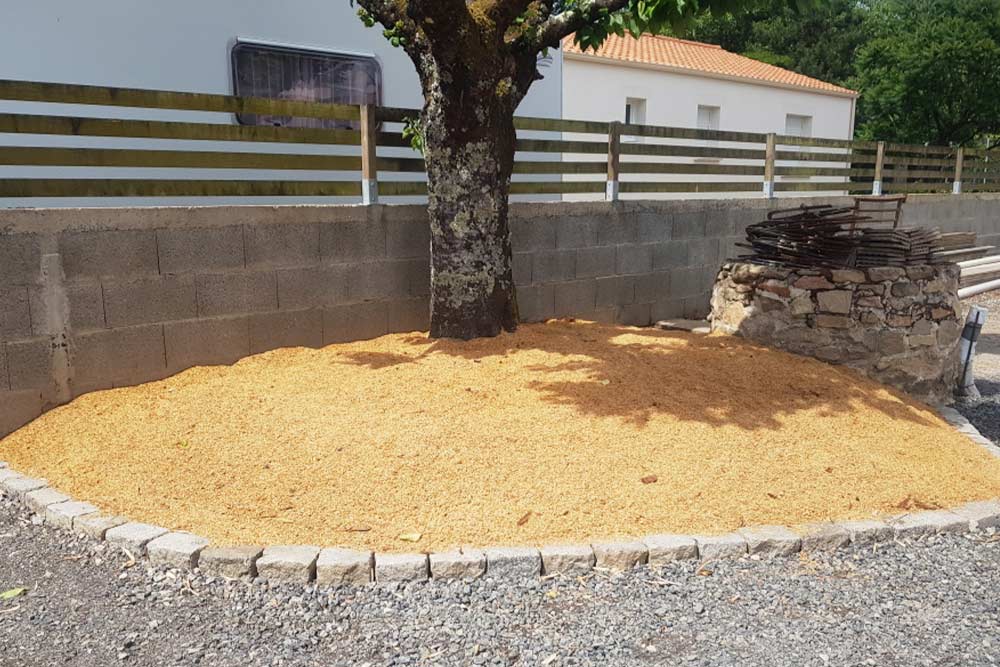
column 13, row 593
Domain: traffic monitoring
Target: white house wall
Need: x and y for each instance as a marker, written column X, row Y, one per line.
column 597, row 90
column 184, row 45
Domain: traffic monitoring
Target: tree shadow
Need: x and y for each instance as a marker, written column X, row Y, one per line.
column 635, row 375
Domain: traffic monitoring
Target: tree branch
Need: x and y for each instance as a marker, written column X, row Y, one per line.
column 565, row 23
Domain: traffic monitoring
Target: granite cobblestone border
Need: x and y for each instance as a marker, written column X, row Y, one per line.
column 345, row 567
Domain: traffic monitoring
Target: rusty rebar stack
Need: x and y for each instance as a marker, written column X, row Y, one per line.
column 832, row 237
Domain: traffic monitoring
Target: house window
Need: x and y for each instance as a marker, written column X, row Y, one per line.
column 635, row 114
column 798, row 126
column 708, row 117
column 282, row 73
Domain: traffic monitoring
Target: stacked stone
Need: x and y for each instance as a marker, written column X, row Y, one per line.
column 898, row 326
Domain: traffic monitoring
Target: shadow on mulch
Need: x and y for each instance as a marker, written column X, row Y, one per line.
column 719, row 380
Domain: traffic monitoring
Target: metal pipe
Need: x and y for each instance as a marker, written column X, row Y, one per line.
column 992, row 259
column 973, row 290
column 973, row 327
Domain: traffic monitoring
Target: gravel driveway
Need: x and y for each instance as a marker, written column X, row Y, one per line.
column 916, row 603
column 985, row 412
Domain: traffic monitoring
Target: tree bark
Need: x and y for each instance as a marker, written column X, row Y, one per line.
column 469, row 142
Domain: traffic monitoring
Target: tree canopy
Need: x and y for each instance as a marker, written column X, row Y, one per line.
column 930, row 72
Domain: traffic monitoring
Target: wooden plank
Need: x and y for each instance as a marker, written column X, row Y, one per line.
column 959, row 159
column 70, row 187
column 806, row 156
column 556, row 146
column 120, row 157
column 401, row 164
column 402, row 188
column 819, row 142
column 530, row 167
column 150, row 129
column 824, row 171
column 559, row 125
column 614, row 154
column 879, row 164
column 31, row 91
column 917, row 149
column 696, row 168
column 692, row 151
column 916, row 187
column 556, row 187
column 769, row 155
column 395, row 114
column 917, row 161
column 707, row 186
column 692, row 133
column 831, row 186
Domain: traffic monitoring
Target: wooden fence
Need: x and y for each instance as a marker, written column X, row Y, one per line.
column 367, row 156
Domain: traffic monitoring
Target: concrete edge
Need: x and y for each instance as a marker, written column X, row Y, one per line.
column 552, row 560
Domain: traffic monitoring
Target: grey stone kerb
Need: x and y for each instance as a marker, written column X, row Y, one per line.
column 345, row 567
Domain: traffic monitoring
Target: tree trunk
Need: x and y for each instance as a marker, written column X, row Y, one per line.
column 469, row 151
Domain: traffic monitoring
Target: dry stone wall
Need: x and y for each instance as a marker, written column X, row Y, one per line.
column 898, row 326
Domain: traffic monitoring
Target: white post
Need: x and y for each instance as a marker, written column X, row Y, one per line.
column 956, row 186
column 879, row 162
column 614, row 160
column 769, row 154
column 369, row 168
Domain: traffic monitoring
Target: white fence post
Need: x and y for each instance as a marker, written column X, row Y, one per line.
column 879, row 163
column 369, row 164
column 614, row 160
column 769, row 155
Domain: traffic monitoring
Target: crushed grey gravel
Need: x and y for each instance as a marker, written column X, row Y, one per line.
column 929, row 601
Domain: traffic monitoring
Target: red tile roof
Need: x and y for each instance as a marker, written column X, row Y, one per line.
column 683, row 54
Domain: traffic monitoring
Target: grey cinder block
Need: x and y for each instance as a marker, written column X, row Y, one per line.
column 401, row 567
column 390, row 279
column 18, row 485
column 569, row 559
column 464, row 564
column 359, row 321
column 146, row 300
column 134, row 536
column 230, row 562
column 575, row 299
column 20, row 259
column 655, row 227
column 20, row 407
column 96, row 526
column 635, row 314
column 274, row 245
column 670, row 255
column 15, row 315
column 298, row 328
column 177, row 549
column 667, row 548
column 236, row 293
column 513, row 562
column 39, row 499
column 409, row 315
column 521, row 268
column 527, row 235
column 314, row 286
column 404, row 239
column 186, row 249
column 652, row 287
column 292, row 564
column 620, row 555
column 980, row 514
column 29, row 364
column 118, row 357
column 340, row 567
column 928, row 523
column 576, row 232
column 536, row 303
column 712, row 547
column 62, row 515
column 206, row 342
column 867, row 531
column 632, row 259
column 595, row 262
column 824, row 537
column 615, row 291
column 771, row 541
column 118, row 253
column 553, row 265
column 352, row 241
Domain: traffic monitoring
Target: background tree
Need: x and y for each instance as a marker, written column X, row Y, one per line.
column 931, row 71
column 476, row 60
column 820, row 43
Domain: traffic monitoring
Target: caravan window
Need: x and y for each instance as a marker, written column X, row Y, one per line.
column 261, row 70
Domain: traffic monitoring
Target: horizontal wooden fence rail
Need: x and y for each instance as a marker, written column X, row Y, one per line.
column 313, row 149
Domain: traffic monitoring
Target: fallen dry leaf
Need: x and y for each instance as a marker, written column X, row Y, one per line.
column 524, row 519
column 649, row 479
column 410, row 537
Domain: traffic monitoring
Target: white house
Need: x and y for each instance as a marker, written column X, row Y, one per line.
column 656, row 80
column 313, row 49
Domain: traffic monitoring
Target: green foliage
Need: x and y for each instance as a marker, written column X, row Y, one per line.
column 662, row 16
column 931, row 71
column 821, row 43
column 413, row 131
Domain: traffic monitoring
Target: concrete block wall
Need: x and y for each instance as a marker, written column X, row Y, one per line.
column 98, row 298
